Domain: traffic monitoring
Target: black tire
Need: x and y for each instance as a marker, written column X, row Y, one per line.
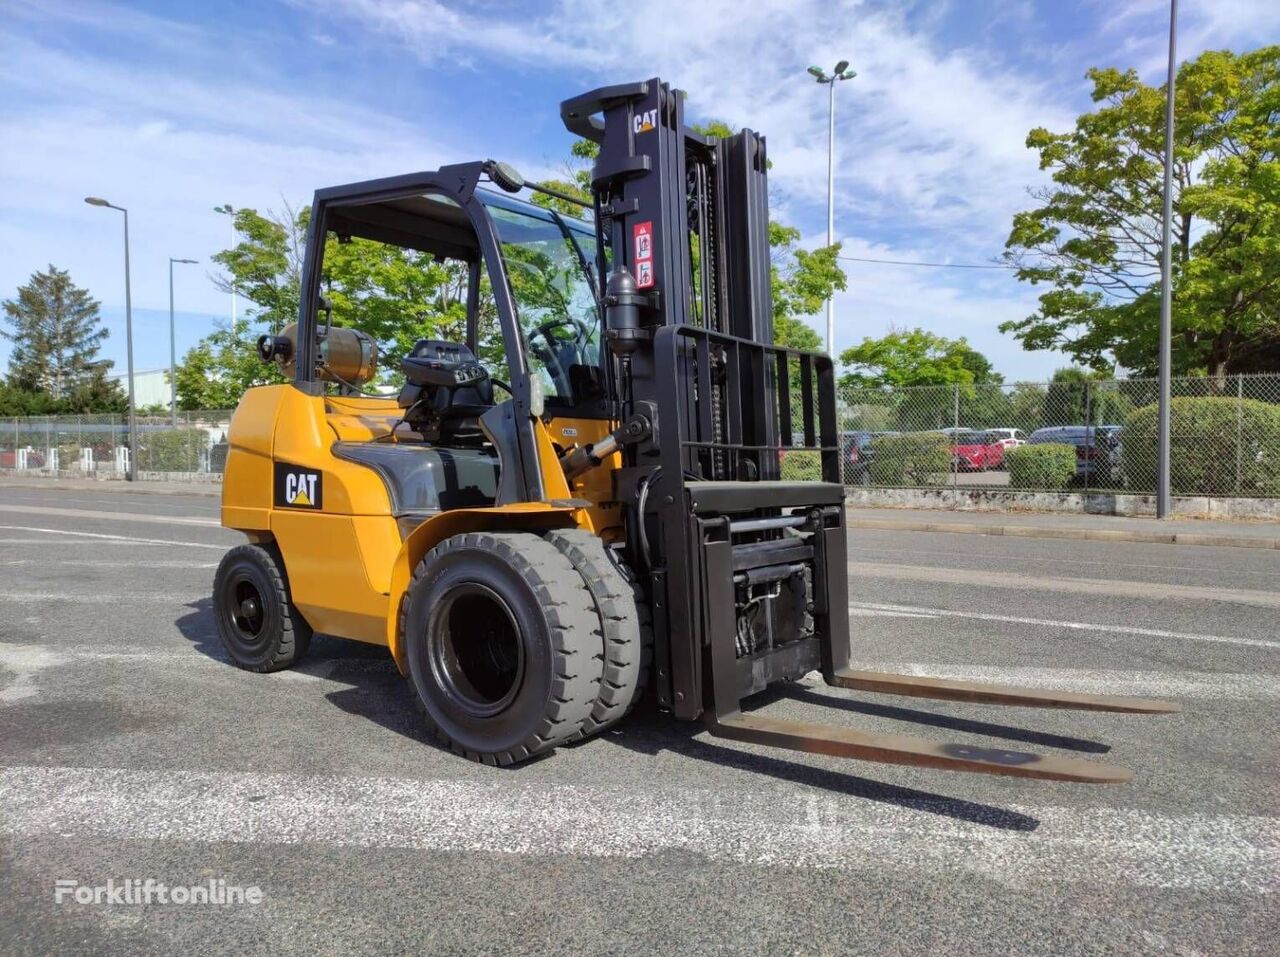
column 528, row 674
column 259, row 626
column 625, row 622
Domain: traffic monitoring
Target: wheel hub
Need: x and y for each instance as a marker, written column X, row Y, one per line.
column 475, row 651
column 246, row 610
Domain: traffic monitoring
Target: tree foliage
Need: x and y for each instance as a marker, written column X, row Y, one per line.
column 395, row 295
column 218, row 369
column 1074, row 397
column 1095, row 237
column 915, row 357
column 57, row 333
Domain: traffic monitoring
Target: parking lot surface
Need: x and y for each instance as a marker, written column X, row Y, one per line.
column 130, row 749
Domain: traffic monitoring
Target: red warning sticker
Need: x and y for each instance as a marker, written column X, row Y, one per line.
column 643, row 254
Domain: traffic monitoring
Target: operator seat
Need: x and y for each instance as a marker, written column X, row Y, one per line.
column 446, row 392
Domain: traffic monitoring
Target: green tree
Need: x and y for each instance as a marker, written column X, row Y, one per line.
column 395, row 295
column 216, row 371
column 1095, row 237
column 1074, row 397
column 915, row 357
column 57, row 333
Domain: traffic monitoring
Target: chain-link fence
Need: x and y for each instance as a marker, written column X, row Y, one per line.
column 1058, row 436
column 99, row 444
column 1073, row 435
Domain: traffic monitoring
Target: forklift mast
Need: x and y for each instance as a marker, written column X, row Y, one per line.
column 736, row 558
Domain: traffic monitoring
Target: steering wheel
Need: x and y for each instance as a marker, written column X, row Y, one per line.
column 579, row 327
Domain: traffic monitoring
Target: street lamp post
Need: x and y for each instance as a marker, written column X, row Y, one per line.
column 132, row 472
column 173, row 350
column 841, row 72
column 230, row 212
column 1166, row 280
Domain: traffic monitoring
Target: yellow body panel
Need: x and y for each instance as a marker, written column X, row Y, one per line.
column 347, row 564
column 594, row 485
column 329, row 561
column 362, row 419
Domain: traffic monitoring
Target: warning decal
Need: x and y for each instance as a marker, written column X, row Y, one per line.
column 643, row 254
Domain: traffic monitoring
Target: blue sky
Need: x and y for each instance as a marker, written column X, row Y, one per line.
column 172, row 108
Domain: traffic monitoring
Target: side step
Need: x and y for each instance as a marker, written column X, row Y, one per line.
column 911, row 751
column 943, row 689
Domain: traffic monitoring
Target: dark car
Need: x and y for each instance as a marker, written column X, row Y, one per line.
column 1097, row 449
column 856, row 453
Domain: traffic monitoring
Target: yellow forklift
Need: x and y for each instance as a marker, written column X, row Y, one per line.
column 596, row 511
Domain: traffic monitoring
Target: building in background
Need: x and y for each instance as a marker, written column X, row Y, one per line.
column 151, row 386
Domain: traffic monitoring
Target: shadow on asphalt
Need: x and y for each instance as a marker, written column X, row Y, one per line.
column 932, row 719
column 377, row 693
column 649, row 732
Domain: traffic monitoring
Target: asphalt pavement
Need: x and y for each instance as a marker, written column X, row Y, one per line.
column 130, row 749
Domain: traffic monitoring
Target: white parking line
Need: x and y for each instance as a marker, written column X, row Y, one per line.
column 97, row 598
column 79, row 563
column 1144, row 591
column 113, row 538
column 502, row 815
column 1076, row 625
column 50, row 541
column 1182, row 684
column 109, row 516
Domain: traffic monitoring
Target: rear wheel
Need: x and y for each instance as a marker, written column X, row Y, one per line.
column 259, row 626
column 503, row 644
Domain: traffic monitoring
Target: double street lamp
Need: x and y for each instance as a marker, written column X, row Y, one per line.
column 841, row 72
column 173, row 350
column 132, row 473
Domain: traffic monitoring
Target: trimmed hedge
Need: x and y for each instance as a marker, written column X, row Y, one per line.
column 914, row 458
column 1048, row 466
column 171, row 450
column 1206, row 458
column 802, row 466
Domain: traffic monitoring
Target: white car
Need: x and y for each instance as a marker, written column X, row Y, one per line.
column 1009, row 438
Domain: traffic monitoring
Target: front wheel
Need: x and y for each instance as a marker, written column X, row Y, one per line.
column 504, row 645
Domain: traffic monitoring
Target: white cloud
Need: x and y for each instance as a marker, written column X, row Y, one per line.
column 1140, row 30
column 930, row 135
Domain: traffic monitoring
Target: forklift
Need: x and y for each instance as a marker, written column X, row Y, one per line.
column 606, row 521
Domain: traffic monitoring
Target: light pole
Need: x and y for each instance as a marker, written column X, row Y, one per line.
column 132, row 472
column 230, row 212
column 173, row 349
column 841, row 72
column 1166, row 282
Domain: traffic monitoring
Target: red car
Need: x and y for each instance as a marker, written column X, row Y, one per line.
column 976, row 452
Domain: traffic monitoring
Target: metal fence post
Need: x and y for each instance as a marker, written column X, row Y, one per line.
column 955, row 469
column 1239, row 430
column 1090, row 436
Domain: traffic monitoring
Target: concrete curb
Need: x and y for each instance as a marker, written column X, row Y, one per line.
column 1079, row 534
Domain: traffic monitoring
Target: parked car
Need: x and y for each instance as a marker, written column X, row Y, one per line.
column 1097, row 449
column 1009, row 438
column 975, row 452
column 856, row 453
